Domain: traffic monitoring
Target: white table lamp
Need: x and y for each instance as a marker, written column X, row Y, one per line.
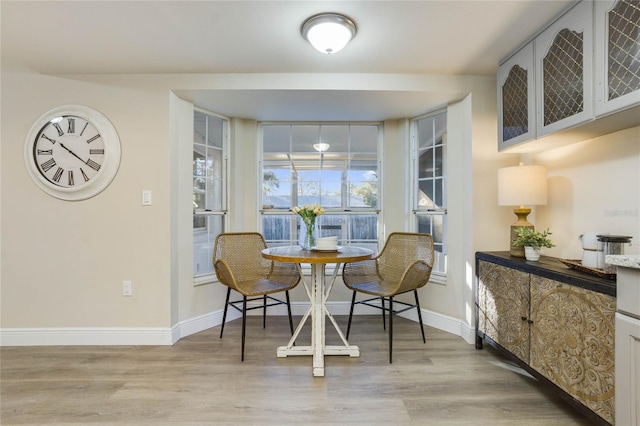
column 521, row 186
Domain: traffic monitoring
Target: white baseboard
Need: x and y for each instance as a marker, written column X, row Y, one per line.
column 76, row 336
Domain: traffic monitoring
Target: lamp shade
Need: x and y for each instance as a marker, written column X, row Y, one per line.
column 522, row 186
column 328, row 32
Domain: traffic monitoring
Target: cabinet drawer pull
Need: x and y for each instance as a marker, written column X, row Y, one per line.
column 524, row 318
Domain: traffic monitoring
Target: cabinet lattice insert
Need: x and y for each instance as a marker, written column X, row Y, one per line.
column 624, row 48
column 515, row 109
column 563, row 77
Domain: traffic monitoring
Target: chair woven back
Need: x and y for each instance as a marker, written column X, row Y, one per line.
column 242, row 252
column 400, row 251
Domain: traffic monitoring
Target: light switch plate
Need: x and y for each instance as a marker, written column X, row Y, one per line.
column 146, row 198
column 127, row 288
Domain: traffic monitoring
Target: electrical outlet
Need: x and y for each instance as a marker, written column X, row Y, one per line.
column 127, row 288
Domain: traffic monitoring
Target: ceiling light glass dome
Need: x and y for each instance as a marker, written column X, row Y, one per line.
column 328, row 32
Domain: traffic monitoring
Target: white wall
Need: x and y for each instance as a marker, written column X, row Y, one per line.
column 593, row 185
column 63, row 263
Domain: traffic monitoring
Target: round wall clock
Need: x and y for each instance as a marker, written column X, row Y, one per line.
column 72, row 152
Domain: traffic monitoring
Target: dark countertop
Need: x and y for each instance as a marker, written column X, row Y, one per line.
column 552, row 268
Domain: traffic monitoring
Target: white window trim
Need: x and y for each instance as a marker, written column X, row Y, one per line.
column 210, row 278
column 436, row 277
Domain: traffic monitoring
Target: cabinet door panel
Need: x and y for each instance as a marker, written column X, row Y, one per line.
column 516, row 99
column 564, row 58
column 504, row 307
column 627, row 356
column 572, row 342
column 617, row 50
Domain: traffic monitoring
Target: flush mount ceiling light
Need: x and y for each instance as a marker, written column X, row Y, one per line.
column 328, row 32
column 321, row 147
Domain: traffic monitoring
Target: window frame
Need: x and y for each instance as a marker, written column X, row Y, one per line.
column 222, row 212
column 344, row 210
column 437, row 276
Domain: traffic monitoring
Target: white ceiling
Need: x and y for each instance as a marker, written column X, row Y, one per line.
column 448, row 37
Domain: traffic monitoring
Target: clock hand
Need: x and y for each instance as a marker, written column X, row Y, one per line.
column 72, row 153
column 95, row 166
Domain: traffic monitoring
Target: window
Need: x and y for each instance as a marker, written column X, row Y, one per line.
column 209, row 187
column 334, row 165
column 429, row 182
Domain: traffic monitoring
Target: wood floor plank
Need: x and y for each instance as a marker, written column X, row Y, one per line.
column 200, row 380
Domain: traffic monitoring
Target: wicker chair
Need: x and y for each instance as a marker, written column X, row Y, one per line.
column 403, row 265
column 239, row 265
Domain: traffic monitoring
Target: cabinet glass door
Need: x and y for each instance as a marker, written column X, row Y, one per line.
column 514, row 102
column 564, row 58
column 563, row 76
column 617, row 54
column 516, row 99
column 623, row 49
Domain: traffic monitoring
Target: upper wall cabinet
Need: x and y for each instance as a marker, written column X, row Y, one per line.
column 516, row 99
column 617, row 52
column 579, row 78
column 564, row 64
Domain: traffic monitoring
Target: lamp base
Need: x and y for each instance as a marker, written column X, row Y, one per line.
column 522, row 222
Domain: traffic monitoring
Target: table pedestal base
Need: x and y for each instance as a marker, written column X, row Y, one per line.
column 318, row 370
column 318, row 312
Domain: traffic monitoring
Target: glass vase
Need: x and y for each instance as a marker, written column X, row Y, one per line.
column 309, row 238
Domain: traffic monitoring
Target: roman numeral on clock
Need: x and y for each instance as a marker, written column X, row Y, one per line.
column 95, row 166
column 84, row 128
column 58, row 174
column 59, row 129
column 93, row 138
column 48, row 138
column 84, row 175
column 96, row 151
column 45, row 152
column 47, row 165
column 70, row 177
column 72, row 125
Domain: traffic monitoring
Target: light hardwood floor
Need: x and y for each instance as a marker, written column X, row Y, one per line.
column 201, row 380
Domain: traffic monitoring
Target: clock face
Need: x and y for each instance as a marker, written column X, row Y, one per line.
column 72, row 152
column 69, row 151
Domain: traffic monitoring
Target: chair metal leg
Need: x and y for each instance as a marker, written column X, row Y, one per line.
column 244, row 323
column 224, row 315
column 384, row 321
column 289, row 311
column 264, row 311
column 415, row 292
column 390, row 328
column 353, row 301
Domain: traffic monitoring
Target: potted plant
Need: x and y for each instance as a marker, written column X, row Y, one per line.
column 532, row 241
